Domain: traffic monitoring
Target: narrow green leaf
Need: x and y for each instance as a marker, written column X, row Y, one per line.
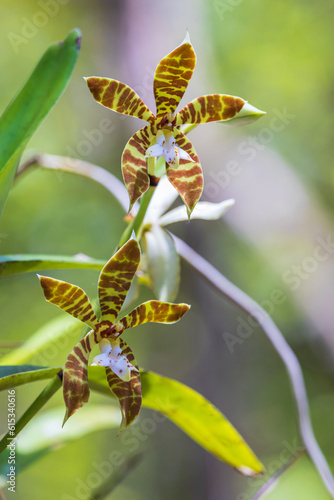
column 12, row 376
column 32, row 104
column 25, row 263
column 194, row 414
column 162, row 261
column 47, row 393
column 55, row 335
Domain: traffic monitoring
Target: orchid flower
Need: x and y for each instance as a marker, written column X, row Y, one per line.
column 116, row 356
column 161, row 262
column 162, row 137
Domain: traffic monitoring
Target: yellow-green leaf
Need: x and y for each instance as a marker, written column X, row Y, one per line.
column 194, row 414
column 198, row 418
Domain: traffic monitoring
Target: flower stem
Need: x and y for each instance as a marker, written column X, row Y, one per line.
column 231, row 292
column 139, row 218
column 39, row 402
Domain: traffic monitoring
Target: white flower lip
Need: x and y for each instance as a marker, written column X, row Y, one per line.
column 166, row 146
column 111, row 357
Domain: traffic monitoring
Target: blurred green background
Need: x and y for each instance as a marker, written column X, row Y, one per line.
column 277, row 55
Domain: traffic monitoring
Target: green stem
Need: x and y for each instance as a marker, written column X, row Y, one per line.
column 139, row 218
column 39, row 402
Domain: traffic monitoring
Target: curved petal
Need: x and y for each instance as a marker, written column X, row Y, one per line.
column 163, row 197
column 187, row 178
column 210, row 108
column 134, row 166
column 172, row 77
column 116, row 278
column 154, row 311
column 128, row 393
column 70, row 298
column 204, row 210
column 75, row 379
column 119, row 97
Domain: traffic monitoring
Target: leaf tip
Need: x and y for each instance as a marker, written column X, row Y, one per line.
column 247, row 471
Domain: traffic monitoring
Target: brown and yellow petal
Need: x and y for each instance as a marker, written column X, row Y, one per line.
column 134, row 167
column 70, row 298
column 172, row 77
column 210, row 108
column 116, row 278
column 154, row 311
column 75, row 379
column 119, row 97
column 187, row 178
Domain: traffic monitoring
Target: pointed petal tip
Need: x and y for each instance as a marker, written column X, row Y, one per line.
column 251, row 111
column 248, row 114
column 186, row 38
column 66, row 417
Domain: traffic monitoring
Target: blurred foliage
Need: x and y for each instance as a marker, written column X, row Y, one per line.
column 276, row 55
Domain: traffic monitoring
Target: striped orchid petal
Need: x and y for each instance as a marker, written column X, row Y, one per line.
column 116, row 278
column 119, row 97
column 187, row 179
column 172, row 76
column 210, row 108
column 70, row 298
column 134, row 167
column 75, row 379
column 128, row 393
column 154, row 311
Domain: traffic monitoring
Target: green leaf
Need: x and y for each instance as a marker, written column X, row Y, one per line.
column 198, row 418
column 162, row 261
column 12, row 376
column 194, row 414
column 32, row 104
column 59, row 333
column 25, row 263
